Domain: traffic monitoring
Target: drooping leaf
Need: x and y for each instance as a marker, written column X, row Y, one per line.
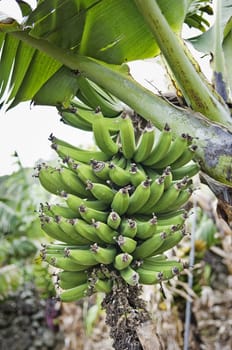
column 23, row 69
column 83, row 26
column 23, row 58
column 41, row 68
column 8, row 53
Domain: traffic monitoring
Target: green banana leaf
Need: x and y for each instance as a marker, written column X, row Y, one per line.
column 83, row 26
column 217, row 41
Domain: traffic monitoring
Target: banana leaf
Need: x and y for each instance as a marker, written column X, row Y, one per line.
column 86, row 27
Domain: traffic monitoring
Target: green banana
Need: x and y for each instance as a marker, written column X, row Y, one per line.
column 68, row 226
column 79, row 154
column 59, row 247
column 87, row 115
column 149, row 277
column 121, row 200
column 100, row 169
column 161, row 147
column 103, row 255
column 73, row 184
column 64, row 211
column 58, row 209
column 156, row 192
column 190, row 170
column 87, row 231
column 167, row 267
column 137, row 174
column 185, row 157
column 128, row 227
column 146, row 229
column 122, row 260
column 82, row 256
column 139, row 197
column 152, row 276
column 167, row 174
column 84, row 172
column 50, row 179
column 167, row 199
column 118, row 175
column 71, row 279
column 102, row 136
column 176, row 149
column 114, row 220
column 74, row 294
column 127, row 136
column 64, row 263
column 73, row 119
column 170, row 241
column 101, row 192
column 126, row 244
column 52, row 229
column 74, row 202
column 168, row 228
column 90, row 214
column 82, row 112
column 104, row 232
column 178, row 218
column 130, row 276
column 145, row 144
column 55, row 140
column 149, row 246
column 182, row 199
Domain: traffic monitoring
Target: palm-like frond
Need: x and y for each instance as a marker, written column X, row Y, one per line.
column 109, row 30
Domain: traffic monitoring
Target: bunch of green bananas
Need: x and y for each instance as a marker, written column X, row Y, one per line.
column 122, row 206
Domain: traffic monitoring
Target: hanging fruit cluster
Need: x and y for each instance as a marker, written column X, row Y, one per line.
column 122, row 207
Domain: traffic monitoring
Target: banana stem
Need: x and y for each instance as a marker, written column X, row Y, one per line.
column 126, row 313
column 197, row 93
column 214, row 141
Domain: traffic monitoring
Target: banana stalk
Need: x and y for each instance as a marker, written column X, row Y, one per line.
column 196, row 91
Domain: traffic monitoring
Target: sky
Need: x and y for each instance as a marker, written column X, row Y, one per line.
column 25, row 129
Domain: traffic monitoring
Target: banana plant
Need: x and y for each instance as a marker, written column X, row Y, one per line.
column 74, row 55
